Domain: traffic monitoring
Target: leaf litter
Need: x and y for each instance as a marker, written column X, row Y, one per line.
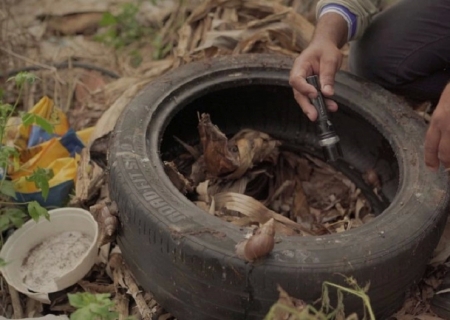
column 249, row 179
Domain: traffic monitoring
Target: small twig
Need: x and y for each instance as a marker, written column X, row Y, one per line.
column 33, row 308
column 122, row 303
column 39, row 65
column 61, row 65
column 15, row 300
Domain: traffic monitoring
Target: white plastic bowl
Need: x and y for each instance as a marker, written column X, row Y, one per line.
column 17, row 247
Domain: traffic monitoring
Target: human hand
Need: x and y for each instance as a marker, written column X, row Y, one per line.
column 437, row 140
column 321, row 57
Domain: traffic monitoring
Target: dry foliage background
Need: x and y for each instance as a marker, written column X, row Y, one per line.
column 93, row 82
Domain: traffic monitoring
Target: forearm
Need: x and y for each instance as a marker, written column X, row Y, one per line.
column 357, row 13
column 331, row 27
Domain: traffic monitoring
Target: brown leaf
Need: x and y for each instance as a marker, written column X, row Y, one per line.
column 300, row 164
column 90, row 178
column 253, row 147
column 75, row 23
column 256, row 210
column 287, row 301
column 301, row 208
column 220, row 159
column 198, row 171
column 321, row 185
column 89, row 82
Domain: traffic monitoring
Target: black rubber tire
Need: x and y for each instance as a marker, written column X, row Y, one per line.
column 186, row 257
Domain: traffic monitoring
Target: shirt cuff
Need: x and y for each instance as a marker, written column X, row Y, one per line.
column 350, row 17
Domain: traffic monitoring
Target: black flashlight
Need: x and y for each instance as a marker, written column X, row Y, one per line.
column 328, row 139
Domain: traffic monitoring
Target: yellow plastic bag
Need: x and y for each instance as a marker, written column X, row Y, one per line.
column 58, row 152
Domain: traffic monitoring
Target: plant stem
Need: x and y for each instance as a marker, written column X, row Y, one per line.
column 359, row 293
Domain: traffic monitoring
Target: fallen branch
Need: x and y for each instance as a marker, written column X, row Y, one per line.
column 123, row 278
column 15, row 301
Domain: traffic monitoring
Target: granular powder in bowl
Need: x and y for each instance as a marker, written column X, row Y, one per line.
column 53, row 258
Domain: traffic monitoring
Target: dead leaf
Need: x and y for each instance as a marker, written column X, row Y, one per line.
column 301, row 208
column 108, row 120
column 89, row 82
column 198, row 171
column 75, row 23
column 287, row 301
column 220, row 158
column 254, row 209
column 253, row 147
column 90, row 178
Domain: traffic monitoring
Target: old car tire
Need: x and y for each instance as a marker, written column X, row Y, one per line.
column 186, row 258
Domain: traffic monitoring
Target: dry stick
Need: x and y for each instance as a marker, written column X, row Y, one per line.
column 44, row 66
column 122, row 276
column 122, row 303
column 15, row 300
column 33, row 307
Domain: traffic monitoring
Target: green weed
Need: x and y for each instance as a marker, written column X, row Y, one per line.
column 93, row 307
column 12, row 213
column 284, row 308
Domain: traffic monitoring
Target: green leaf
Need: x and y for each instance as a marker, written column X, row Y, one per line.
column 83, row 314
column 77, row 300
column 5, row 110
column 7, row 188
column 35, row 210
column 2, row 263
column 23, row 77
column 16, row 216
column 30, row 118
column 108, row 20
column 92, row 306
column 27, row 119
column 44, row 124
column 41, row 178
column 4, row 223
column 6, row 153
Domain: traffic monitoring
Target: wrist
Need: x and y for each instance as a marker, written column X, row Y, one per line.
column 349, row 17
column 331, row 28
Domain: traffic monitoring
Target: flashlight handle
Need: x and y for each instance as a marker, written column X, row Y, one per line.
column 318, row 102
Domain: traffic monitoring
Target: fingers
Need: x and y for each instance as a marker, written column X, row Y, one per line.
column 328, row 68
column 306, row 105
column 432, row 143
column 331, row 105
column 303, row 91
column 302, row 69
column 444, row 149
